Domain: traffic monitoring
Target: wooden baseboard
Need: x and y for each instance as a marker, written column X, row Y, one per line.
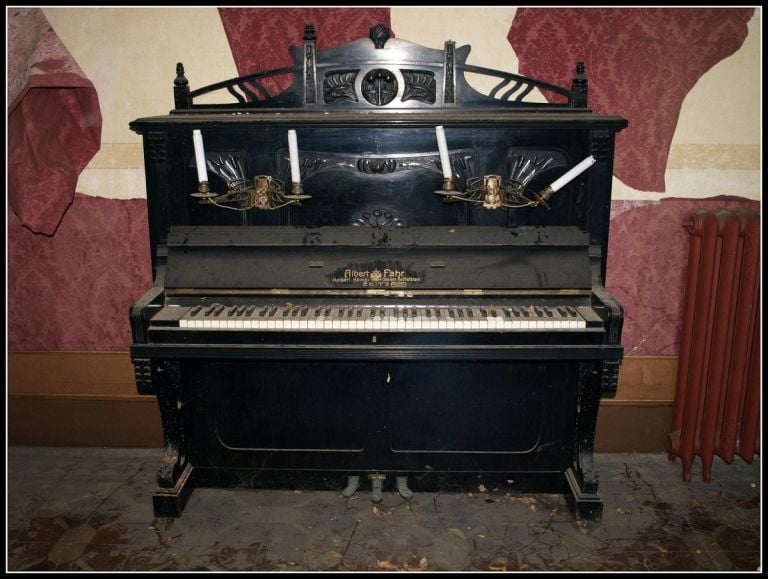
column 90, row 399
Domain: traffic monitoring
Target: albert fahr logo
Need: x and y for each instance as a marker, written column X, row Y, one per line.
column 384, row 277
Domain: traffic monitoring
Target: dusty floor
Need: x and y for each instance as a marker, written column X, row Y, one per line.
column 91, row 509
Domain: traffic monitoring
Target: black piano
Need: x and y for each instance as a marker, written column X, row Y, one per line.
column 379, row 280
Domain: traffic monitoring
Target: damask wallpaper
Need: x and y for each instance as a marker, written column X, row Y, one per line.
column 76, row 262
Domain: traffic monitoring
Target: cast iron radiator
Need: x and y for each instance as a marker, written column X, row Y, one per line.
column 717, row 405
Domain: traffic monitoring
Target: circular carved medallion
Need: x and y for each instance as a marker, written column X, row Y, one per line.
column 379, row 87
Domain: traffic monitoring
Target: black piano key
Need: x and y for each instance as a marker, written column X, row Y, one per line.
column 304, row 312
column 249, row 310
column 196, row 310
column 294, row 312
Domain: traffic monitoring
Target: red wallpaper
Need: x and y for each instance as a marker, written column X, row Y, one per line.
column 260, row 37
column 54, row 121
column 73, row 291
column 647, row 262
column 640, row 62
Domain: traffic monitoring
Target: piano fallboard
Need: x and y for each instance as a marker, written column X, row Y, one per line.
column 359, row 258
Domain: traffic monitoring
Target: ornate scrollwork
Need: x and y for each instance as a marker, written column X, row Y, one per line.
column 142, row 369
column 609, row 379
column 340, row 86
column 379, row 217
column 379, row 87
column 420, row 85
column 601, row 141
column 449, row 93
column 156, row 147
column 376, row 166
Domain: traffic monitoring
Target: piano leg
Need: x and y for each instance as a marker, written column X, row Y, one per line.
column 581, row 477
column 174, row 475
column 171, row 502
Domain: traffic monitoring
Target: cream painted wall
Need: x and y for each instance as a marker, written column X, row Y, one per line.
column 130, row 55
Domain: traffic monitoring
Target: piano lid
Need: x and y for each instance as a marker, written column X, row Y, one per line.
column 365, row 259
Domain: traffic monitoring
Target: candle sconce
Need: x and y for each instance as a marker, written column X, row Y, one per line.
column 262, row 192
column 494, row 192
column 489, row 191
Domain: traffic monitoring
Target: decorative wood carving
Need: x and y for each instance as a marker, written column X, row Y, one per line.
column 379, row 87
column 340, row 86
column 419, row 85
column 379, row 217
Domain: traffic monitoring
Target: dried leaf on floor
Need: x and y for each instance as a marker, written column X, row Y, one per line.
column 481, row 488
column 457, row 533
column 497, row 566
column 423, row 565
column 387, row 565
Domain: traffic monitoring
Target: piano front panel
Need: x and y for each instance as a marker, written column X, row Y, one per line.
column 380, row 415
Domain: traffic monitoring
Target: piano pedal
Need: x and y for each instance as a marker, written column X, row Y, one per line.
column 377, row 482
column 401, row 484
column 353, row 483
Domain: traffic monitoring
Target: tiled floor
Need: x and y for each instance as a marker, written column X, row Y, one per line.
column 90, row 509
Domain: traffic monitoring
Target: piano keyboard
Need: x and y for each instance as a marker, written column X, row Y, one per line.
column 376, row 318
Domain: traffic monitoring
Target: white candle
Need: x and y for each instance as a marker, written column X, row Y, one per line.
column 442, row 146
column 293, row 152
column 572, row 173
column 202, row 172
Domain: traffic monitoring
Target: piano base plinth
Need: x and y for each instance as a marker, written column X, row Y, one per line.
column 171, row 502
column 587, row 506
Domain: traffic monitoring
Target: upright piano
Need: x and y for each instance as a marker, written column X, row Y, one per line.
column 379, row 279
